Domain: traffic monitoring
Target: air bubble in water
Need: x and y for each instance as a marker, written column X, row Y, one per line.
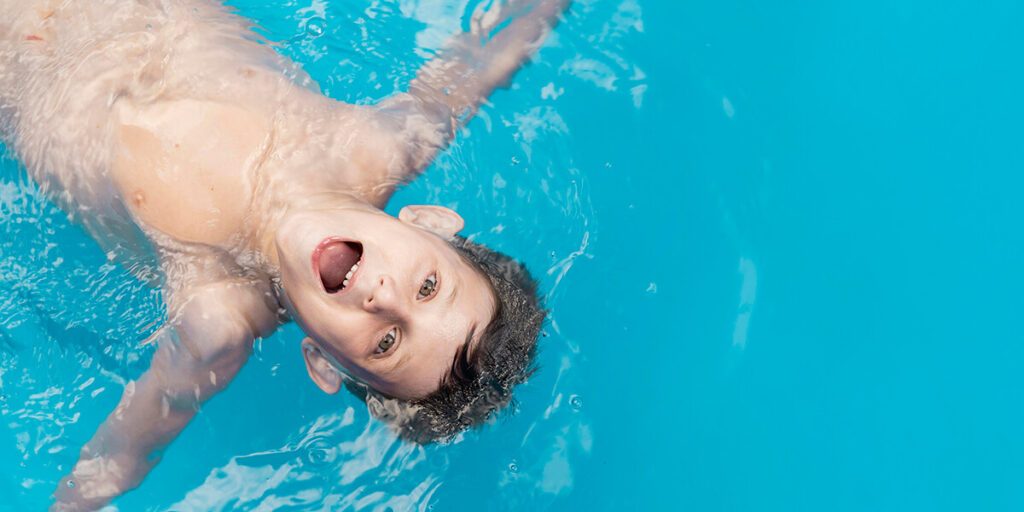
column 513, row 467
column 71, row 484
column 316, row 26
column 575, row 402
column 318, row 452
column 316, row 457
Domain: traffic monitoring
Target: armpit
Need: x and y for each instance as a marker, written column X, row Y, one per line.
column 421, row 130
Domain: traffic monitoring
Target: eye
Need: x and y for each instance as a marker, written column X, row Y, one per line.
column 428, row 287
column 386, row 342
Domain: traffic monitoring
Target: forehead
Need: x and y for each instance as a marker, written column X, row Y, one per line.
column 426, row 355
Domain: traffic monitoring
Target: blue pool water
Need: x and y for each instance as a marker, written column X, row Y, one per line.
column 780, row 242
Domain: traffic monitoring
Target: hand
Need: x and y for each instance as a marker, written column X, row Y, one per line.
column 483, row 21
column 207, row 335
column 448, row 89
column 94, row 482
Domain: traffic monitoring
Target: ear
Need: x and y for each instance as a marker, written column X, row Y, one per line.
column 320, row 368
column 442, row 221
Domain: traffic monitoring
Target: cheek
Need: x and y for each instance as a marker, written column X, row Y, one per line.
column 300, row 313
column 349, row 332
column 290, row 239
column 307, row 310
column 294, row 277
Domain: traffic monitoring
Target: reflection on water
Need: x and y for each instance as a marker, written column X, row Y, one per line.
column 748, row 294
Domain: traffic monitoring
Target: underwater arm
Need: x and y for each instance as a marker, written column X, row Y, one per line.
column 447, row 91
column 197, row 356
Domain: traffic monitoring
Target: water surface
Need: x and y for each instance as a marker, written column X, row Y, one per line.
column 780, row 243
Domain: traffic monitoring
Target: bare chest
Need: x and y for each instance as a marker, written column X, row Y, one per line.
column 185, row 167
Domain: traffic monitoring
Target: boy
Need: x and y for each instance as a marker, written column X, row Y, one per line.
column 187, row 147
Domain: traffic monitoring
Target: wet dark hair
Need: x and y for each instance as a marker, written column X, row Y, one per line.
column 480, row 382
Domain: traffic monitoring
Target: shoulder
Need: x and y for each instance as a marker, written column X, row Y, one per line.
column 418, row 125
column 394, row 138
column 218, row 320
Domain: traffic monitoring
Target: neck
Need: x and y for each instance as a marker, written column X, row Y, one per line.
column 298, row 183
column 268, row 218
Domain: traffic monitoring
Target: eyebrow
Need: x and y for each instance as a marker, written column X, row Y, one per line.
column 403, row 358
column 461, row 360
column 469, row 336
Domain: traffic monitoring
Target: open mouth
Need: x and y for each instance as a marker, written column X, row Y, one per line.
column 336, row 262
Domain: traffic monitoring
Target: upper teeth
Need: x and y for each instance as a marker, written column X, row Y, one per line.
column 351, row 272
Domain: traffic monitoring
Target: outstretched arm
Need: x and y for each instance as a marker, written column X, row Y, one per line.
column 197, row 356
column 448, row 90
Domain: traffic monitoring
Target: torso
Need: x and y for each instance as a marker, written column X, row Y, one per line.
column 145, row 121
column 185, row 167
column 160, row 123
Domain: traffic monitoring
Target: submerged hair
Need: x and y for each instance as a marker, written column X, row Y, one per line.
column 481, row 380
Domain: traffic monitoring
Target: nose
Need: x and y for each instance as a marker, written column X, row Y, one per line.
column 384, row 298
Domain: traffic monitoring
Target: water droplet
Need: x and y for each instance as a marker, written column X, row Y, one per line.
column 575, row 402
column 71, row 484
column 513, row 467
column 316, row 27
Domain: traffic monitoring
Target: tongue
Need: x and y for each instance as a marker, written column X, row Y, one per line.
column 336, row 260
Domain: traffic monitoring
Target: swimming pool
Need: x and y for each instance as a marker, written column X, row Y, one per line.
column 779, row 243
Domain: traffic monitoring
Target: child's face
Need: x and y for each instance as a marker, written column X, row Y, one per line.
column 397, row 321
